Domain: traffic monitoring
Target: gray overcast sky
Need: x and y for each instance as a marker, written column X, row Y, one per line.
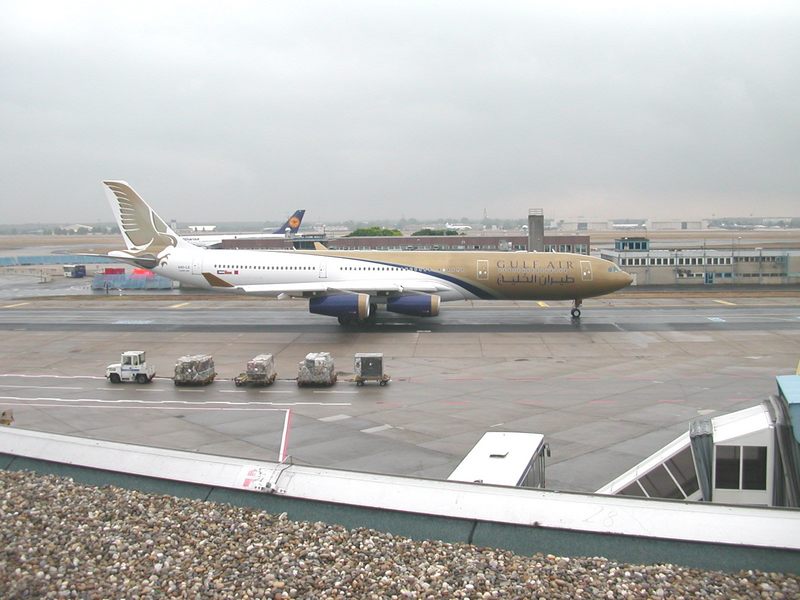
column 364, row 110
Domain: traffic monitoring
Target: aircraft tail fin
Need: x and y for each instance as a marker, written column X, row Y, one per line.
column 292, row 223
column 142, row 229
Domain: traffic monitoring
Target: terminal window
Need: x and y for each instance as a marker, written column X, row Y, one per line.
column 741, row 467
column 727, row 468
column 754, row 468
column 674, row 478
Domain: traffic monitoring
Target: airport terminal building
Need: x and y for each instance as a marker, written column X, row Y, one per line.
column 756, row 266
column 578, row 244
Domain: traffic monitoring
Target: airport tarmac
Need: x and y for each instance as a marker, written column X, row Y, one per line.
column 606, row 391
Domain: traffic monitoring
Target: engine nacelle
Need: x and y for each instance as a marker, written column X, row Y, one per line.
column 417, row 305
column 355, row 306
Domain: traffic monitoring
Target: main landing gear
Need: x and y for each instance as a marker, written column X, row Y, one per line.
column 576, row 311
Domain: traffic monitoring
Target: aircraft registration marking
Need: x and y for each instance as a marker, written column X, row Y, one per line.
column 725, row 302
column 16, row 305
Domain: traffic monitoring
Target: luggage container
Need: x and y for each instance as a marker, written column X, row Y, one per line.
column 369, row 367
column 195, row 370
column 316, row 369
column 260, row 371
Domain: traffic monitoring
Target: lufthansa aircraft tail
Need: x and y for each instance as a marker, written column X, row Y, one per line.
column 146, row 234
column 293, row 223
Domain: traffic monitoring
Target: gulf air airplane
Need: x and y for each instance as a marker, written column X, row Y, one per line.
column 289, row 228
column 351, row 285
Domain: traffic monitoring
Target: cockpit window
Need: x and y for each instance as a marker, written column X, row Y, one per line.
column 614, row 269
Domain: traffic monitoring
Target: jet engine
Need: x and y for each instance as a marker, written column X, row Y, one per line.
column 344, row 306
column 417, row 305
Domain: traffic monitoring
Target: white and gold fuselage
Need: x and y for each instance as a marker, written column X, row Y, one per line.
column 348, row 284
column 451, row 275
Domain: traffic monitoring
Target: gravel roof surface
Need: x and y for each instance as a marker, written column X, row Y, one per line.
column 59, row 539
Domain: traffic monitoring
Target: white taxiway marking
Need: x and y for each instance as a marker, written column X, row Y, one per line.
column 725, row 302
column 16, row 305
column 190, row 391
column 377, row 429
column 327, row 392
column 41, row 387
column 51, row 376
column 133, row 322
column 180, row 408
column 716, row 319
column 157, row 403
column 232, row 391
column 334, row 418
column 274, row 392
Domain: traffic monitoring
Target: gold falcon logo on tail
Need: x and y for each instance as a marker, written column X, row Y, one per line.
column 148, row 238
column 142, row 228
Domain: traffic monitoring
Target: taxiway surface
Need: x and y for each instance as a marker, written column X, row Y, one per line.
column 606, row 391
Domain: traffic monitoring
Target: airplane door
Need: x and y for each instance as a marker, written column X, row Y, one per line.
column 197, row 264
column 586, row 270
column 323, row 270
column 483, row 269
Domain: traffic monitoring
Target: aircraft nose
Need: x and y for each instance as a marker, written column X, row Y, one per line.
column 628, row 279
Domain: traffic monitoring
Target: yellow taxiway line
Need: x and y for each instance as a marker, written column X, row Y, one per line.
column 543, row 304
column 725, row 302
column 16, row 305
column 179, row 305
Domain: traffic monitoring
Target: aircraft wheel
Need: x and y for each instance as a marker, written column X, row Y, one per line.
column 114, row 377
column 576, row 313
column 344, row 320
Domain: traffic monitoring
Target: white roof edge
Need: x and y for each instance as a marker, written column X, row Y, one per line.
column 754, row 526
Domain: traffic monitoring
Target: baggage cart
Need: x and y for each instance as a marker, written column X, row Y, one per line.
column 260, row 372
column 369, row 367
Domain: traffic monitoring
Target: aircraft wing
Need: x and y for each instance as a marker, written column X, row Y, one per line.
column 364, row 286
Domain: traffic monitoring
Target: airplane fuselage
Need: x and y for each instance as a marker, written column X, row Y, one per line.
column 349, row 285
column 457, row 275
